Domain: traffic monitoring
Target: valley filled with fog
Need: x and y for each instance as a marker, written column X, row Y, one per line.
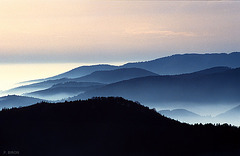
column 204, row 91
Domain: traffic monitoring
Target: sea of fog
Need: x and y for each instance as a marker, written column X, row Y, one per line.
column 12, row 74
column 208, row 112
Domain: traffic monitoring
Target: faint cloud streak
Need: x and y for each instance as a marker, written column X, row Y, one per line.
column 160, row 33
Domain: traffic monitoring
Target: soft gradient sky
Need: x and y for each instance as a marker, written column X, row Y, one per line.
column 95, row 31
column 11, row 74
column 41, row 38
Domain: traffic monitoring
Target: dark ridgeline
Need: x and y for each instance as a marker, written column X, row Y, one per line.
column 109, row 126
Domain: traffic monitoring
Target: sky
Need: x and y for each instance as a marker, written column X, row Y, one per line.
column 95, row 31
column 42, row 38
column 12, row 74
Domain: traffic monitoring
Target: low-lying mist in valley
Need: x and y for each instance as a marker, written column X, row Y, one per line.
column 193, row 113
column 55, row 97
column 203, row 109
column 119, row 78
column 199, row 91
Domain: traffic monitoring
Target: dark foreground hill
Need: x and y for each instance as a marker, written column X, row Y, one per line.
column 107, row 127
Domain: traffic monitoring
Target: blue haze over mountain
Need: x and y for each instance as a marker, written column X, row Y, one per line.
column 78, row 72
column 200, row 87
column 179, row 80
column 170, row 65
column 175, row 113
column 110, row 76
column 65, row 90
column 187, row 63
column 35, row 86
column 16, row 101
column 231, row 116
column 186, row 116
column 234, row 112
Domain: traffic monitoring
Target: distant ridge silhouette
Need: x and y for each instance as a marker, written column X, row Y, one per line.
column 111, row 76
column 200, row 87
column 64, row 90
column 178, row 113
column 188, row 63
column 186, row 116
column 170, row 65
column 17, row 101
column 231, row 116
column 77, row 72
column 104, row 76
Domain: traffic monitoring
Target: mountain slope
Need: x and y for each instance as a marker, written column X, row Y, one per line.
column 77, row 72
column 35, row 86
column 64, row 90
column 231, row 116
column 16, row 101
column 222, row 87
column 208, row 71
column 186, row 116
column 109, row 126
column 84, row 70
column 171, row 65
column 98, row 76
column 175, row 113
column 234, row 112
column 112, row 76
column 188, row 63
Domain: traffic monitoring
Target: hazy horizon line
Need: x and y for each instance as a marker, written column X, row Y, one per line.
column 115, row 63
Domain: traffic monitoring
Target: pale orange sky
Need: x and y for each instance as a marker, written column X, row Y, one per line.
column 11, row 74
column 93, row 31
